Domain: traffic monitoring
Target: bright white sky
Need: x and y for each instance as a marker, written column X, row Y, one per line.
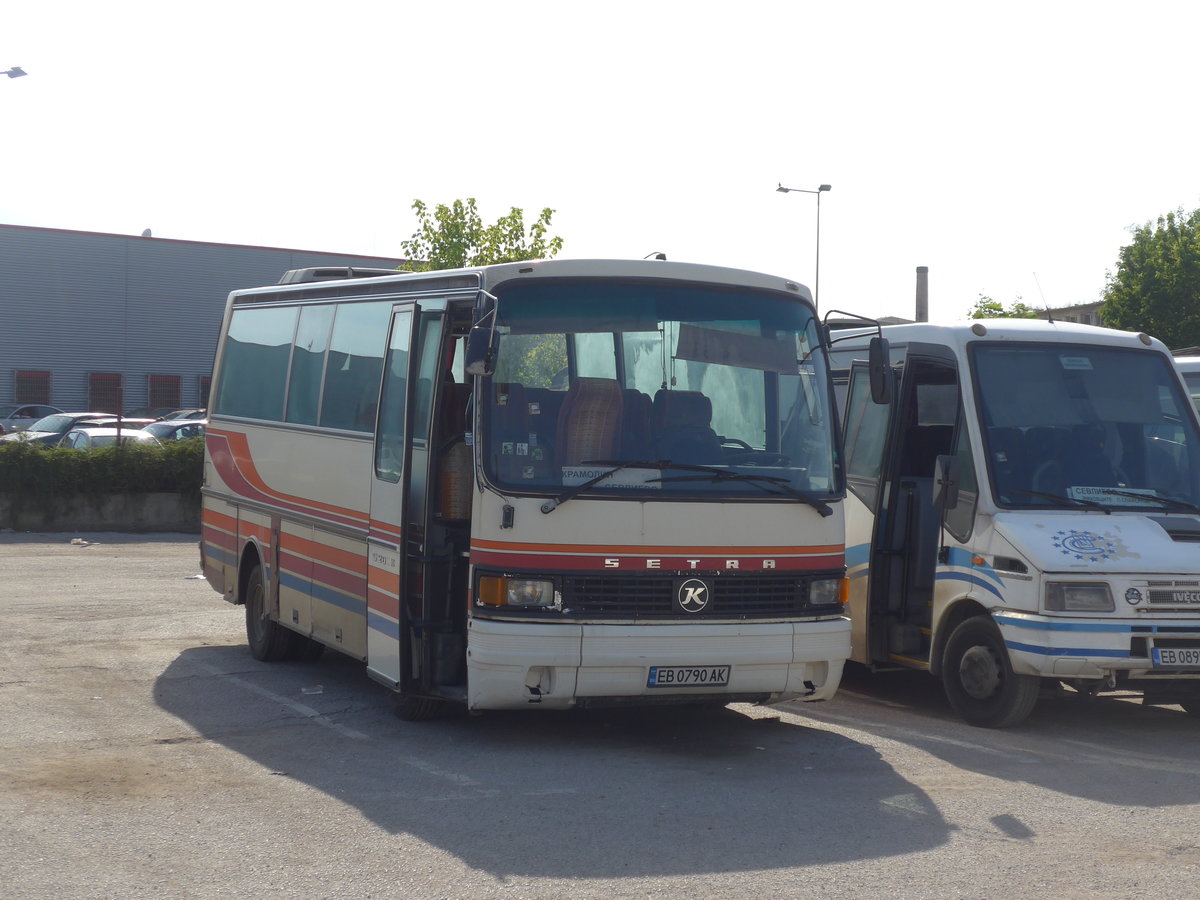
column 989, row 141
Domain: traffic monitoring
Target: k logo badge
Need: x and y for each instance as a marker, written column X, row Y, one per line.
column 692, row 595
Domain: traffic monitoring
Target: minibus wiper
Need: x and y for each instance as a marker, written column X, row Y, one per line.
column 1170, row 502
column 762, row 481
column 1090, row 504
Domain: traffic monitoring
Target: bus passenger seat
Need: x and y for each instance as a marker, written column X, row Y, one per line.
column 635, row 437
column 589, row 425
column 683, row 428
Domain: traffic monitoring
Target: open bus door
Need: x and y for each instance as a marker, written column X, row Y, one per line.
column 891, row 453
column 389, row 642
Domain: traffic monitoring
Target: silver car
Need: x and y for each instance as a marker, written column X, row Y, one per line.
column 19, row 416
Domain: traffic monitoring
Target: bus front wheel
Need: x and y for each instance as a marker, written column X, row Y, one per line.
column 978, row 677
column 416, row 709
column 269, row 641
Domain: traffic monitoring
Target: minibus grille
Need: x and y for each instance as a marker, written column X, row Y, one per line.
column 734, row 596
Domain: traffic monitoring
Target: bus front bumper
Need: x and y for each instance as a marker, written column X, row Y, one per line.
column 514, row 665
column 1091, row 648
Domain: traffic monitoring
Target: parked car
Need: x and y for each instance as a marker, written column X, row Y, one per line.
column 145, row 412
column 49, row 430
column 19, row 416
column 90, row 437
column 186, row 414
column 177, row 429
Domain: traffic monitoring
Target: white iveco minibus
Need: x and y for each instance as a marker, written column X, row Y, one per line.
column 1025, row 511
column 544, row 484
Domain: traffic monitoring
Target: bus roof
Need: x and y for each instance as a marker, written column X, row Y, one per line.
column 299, row 282
column 1024, row 330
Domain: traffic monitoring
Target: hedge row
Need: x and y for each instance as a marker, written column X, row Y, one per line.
column 27, row 470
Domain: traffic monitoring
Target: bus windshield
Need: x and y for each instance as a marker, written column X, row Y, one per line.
column 691, row 391
column 1078, row 426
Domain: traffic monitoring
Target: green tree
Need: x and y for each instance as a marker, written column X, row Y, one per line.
column 1156, row 288
column 989, row 308
column 450, row 237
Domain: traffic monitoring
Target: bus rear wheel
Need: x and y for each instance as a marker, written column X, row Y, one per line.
column 269, row 641
column 979, row 680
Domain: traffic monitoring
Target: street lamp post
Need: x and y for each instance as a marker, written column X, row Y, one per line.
column 817, row 277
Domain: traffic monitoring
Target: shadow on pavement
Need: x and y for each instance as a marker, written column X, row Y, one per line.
column 588, row 794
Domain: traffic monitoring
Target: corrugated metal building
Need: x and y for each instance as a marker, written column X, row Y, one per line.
column 110, row 322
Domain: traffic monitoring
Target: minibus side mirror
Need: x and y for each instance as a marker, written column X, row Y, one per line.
column 879, row 369
column 481, row 350
column 945, row 482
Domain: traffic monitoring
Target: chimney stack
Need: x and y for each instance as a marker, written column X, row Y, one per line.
column 922, row 294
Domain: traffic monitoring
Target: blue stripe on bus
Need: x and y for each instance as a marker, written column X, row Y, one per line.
column 383, row 625
column 1068, row 651
column 1042, row 625
column 356, row 605
column 969, row 579
column 212, row 551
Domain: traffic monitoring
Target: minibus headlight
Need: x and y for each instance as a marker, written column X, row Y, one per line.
column 1070, row 596
column 826, row 592
column 502, row 591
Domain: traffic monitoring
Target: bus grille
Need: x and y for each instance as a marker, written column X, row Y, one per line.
column 734, row 597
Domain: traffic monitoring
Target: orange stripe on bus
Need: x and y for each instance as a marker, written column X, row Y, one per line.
column 612, row 550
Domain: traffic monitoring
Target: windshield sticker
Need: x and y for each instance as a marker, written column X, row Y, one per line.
column 1076, row 362
column 1086, row 545
column 1121, row 496
column 625, row 478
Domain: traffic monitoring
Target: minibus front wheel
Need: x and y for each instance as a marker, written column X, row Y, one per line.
column 979, row 680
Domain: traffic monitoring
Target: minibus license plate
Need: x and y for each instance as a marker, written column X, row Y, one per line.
column 688, row 676
column 1176, row 657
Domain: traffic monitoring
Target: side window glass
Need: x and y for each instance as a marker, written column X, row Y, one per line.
column 255, row 362
column 308, row 364
column 866, row 432
column 595, row 356
column 354, row 366
column 389, row 442
column 429, row 370
column 961, row 519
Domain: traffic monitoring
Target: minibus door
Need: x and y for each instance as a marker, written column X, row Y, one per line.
column 388, row 639
column 908, row 527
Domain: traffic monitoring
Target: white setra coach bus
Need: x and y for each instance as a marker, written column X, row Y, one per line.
column 554, row 484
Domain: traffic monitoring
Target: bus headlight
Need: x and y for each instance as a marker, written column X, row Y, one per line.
column 502, row 591
column 826, row 592
column 1071, row 596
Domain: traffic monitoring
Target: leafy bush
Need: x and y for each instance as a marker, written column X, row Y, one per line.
column 28, row 470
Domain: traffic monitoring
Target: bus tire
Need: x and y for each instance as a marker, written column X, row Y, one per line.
column 979, row 680
column 416, row 709
column 269, row 641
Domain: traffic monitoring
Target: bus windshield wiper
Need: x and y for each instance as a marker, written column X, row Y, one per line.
column 705, row 473
column 766, row 482
column 617, row 465
column 1089, row 504
column 1169, row 502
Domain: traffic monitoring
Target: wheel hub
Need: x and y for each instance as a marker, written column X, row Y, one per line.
column 979, row 673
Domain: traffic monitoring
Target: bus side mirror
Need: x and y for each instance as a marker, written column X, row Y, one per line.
column 945, row 482
column 481, row 350
column 879, row 369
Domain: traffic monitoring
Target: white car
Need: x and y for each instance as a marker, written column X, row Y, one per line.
column 88, row 438
column 16, row 417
